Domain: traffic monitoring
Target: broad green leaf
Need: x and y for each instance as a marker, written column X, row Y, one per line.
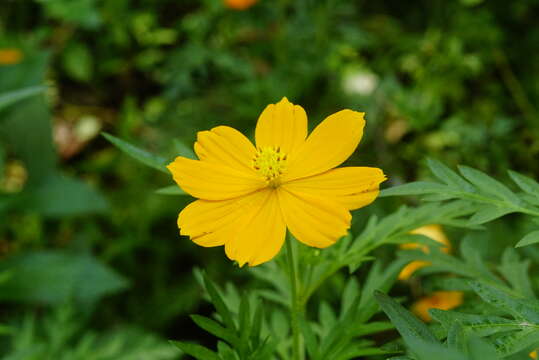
column 448, row 176
column 415, row 188
column 136, row 153
column 225, row 351
column 219, row 304
column 350, row 293
column 197, row 351
column 526, row 183
column 531, row 238
column 487, row 184
column 258, row 321
column 54, row 277
column 170, row 190
column 488, row 213
column 12, row 97
column 214, row 328
column 410, row 327
column 527, row 309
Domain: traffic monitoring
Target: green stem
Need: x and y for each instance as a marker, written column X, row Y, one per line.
column 295, row 306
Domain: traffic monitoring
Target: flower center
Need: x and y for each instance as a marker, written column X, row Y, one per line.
column 270, row 162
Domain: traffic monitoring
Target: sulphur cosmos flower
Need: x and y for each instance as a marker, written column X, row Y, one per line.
column 240, row 4
column 248, row 196
column 443, row 300
column 434, row 232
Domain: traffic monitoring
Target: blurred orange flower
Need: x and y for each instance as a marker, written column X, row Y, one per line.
column 443, row 300
column 10, row 56
column 434, row 232
column 240, row 4
column 533, row 354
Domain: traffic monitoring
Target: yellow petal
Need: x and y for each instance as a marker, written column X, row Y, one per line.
column 226, row 146
column 212, row 223
column 411, row 268
column 330, row 143
column 261, row 237
column 211, row 181
column 282, row 125
column 312, row 220
column 354, row 187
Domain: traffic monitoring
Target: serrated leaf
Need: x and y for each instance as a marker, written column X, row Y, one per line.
column 410, row 327
column 171, row 190
column 11, row 97
column 138, row 154
column 457, row 336
column 214, row 328
column 415, row 188
column 526, row 309
column 482, row 325
column 197, row 351
column 516, row 342
column 448, row 176
column 527, row 184
column 489, row 185
column 531, row 238
column 488, row 213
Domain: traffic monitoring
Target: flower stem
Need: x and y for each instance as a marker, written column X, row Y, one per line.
column 295, row 306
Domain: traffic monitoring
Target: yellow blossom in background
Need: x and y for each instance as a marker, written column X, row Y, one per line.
column 240, row 4
column 443, row 300
column 533, row 354
column 10, row 56
column 248, row 196
column 434, row 232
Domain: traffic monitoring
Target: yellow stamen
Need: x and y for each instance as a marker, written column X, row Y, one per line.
column 270, row 162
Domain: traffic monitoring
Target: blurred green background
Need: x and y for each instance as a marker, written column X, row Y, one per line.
column 91, row 261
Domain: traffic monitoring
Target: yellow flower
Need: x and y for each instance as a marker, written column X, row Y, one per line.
column 443, row 300
column 250, row 195
column 10, row 56
column 434, row 232
column 240, row 4
column 533, row 354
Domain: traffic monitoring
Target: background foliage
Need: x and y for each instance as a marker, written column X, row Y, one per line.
column 91, row 264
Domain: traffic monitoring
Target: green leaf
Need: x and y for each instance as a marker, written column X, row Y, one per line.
column 171, row 190
column 482, row 325
column 488, row 213
column 310, row 339
column 415, row 188
column 197, row 351
column 531, row 238
column 244, row 324
column 448, row 176
column 214, row 328
column 219, row 304
column 516, row 342
column 526, row 183
column 488, row 185
column 136, row 153
column 411, row 328
column 527, row 309
column 54, row 277
column 12, row 97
